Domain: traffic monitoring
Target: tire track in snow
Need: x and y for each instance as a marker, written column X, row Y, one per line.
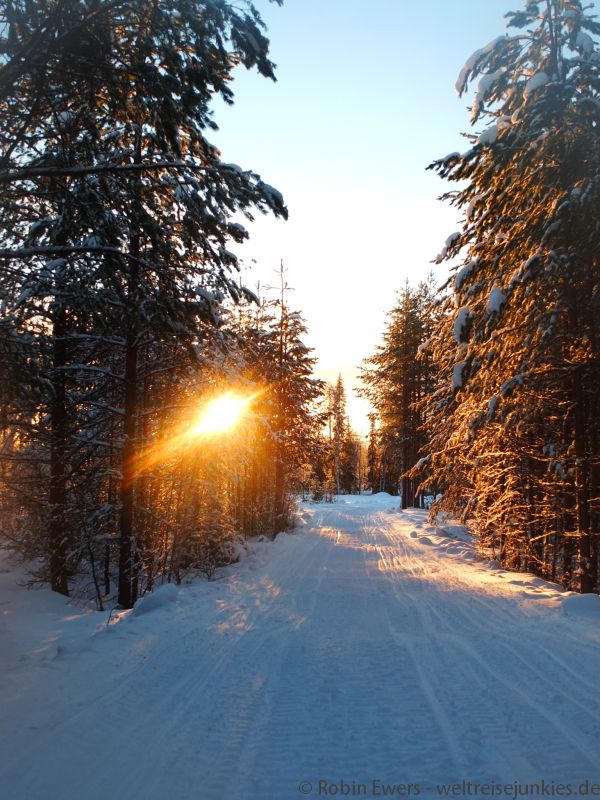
column 349, row 651
column 514, row 697
column 475, row 619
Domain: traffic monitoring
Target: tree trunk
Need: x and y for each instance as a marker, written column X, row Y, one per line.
column 58, row 491
column 581, row 486
column 127, row 591
column 126, row 538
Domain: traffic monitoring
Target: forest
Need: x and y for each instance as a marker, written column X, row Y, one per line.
column 294, row 502
column 124, row 314
column 487, row 395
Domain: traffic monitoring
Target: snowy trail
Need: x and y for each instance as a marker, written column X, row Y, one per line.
column 367, row 647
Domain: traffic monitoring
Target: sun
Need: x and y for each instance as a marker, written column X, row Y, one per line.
column 220, row 414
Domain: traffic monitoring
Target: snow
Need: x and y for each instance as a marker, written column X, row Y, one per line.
column 157, row 599
column 232, row 167
column 238, row 551
column 457, row 375
column 252, row 296
column 460, row 323
column 238, row 231
column 471, row 207
column 510, row 384
column 526, row 265
column 273, row 195
column 490, row 135
column 451, row 241
column 371, row 645
column 495, row 301
column 585, row 43
column 474, row 60
column 56, row 263
column 534, row 83
column 462, row 275
column 485, row 85
column 582, row 605
column 422, row 348
column 492, row 406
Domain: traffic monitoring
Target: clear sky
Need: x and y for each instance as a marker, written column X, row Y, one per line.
column 364, row 101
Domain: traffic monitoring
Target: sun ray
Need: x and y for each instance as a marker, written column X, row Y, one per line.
column 220, row 414
column 216, row 416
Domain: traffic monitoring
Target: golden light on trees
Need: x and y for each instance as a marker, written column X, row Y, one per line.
column 220, row 414
column 216, row 415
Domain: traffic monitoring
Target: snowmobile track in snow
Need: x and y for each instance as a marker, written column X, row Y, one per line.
column 367, row 646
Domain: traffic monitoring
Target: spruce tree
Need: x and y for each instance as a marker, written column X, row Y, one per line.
column 516, row 419
column 116, row 214
column 396, row 379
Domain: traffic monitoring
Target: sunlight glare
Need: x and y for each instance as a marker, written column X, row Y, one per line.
column 220, row 414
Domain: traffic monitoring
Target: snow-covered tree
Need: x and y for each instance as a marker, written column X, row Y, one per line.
column 516, row 418
column 340, row 453
column 116, row 215
column 396, row 378
column 277, row 359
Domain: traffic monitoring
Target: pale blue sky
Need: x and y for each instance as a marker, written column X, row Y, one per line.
column 364, row 101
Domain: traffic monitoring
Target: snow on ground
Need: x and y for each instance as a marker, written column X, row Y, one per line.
column 368, row 646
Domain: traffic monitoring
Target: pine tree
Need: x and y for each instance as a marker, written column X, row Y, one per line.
column 116, row 214
column 516, row 419
column 280, row 362
column 396, row 379
column 341, row 452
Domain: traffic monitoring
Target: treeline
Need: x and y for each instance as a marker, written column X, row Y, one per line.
column 396, row 380
column 121, row 310
column 337, row 464
column 511, row 421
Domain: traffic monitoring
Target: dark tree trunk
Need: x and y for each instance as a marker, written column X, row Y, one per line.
column 280, row 515
column 581, row 485
column 127, row 592
column 126, row 545
column 59, row 579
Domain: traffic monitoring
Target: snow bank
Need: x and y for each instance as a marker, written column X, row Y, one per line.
column 582, row 605
column 157, row 599
column 238, row 551
column 36, row 625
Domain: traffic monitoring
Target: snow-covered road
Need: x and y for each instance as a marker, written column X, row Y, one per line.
column 369, row 647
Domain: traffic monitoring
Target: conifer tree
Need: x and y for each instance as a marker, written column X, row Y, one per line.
column 396, row 379
column 516, row 419
column 279, row 361
column 340, row 453
column 116, row 216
